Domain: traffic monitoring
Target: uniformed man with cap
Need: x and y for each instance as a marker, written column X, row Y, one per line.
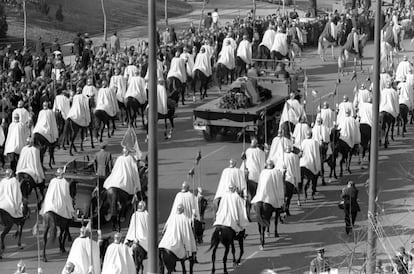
column 320, row 263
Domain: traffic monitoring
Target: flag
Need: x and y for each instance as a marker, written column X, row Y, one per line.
column 198, row 157
column 314, row 93
column 191, row 172
column 130, row 142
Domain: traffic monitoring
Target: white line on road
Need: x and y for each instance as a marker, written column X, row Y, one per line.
column 215, row 151
column 313, row 210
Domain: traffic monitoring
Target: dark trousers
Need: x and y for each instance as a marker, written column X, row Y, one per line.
column 350, row 217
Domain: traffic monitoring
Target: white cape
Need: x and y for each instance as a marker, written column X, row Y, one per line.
column 268, row 39
column 138, row 229
column 29, row 162
column 350, row 132
column 162, row 99
column 46, row 125
column 179, row 237
column 320, row 133
column 203, row 64
column 299, row 134
column 311, row 158
column 403, row 69
column 120, row 83
column 189, row 62
column 291, row 163
column 405, row 95
column 277, row 148
column 343, row 107
column 79, row 112
column 244, row 51
column 280, row 43
column 107, row 101
column 90, row 91
column 328, row 117
column 118, row 260
column 58, row 199
column 62, row 104
column 11, row 197
column 124, row 175
column 254, row 163
column 232, row 212
column 130, row 71
column 365, row 114
column 190, row 204
column 270, row 188
column 231, row 175
column 16, row 138
column 23, row 114
column 80, row 256
column 2, row 137
column 177, row 69
column 226, row 57
column 137, row 89
column 292, row 111
column 389, row 102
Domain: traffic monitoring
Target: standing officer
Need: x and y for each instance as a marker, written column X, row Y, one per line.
column 350, row 196
column 103, row 164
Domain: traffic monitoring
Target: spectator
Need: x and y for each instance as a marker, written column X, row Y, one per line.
column 115, row 44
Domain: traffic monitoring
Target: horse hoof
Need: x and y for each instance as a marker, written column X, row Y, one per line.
column 261, row 247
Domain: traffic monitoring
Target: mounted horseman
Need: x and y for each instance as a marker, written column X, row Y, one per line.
column 279, row 145
column 310, row 163
column 292, row 112
column 24, row 115
column 365, row 125
column 136, row 97
column 353, row 48
column 389, row 110
column 119, row 82
column 120, row 187
column 226, row 62
column 295, row 36
column 280, row 47
column 61, row 107
column 106, row 110
column 243, row 56
column 16, row 135
column 29, row 170
column 389, row 44
column 328, row 37
column 406, row 99
column 327, row 115
column 45, row 133
column 189, row 66
column 320, row 133
column 118, row 258
column 344, row 107
column 177, row 78
column 202, row 72
column 267, row 43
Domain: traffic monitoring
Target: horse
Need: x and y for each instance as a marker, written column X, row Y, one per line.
column 226, row 236
column 323, row 150
column 365, row 138
column 73, row 128
column 402, row 119
column 310, row 178
column 168, row 260
column 175, row 88
column 139, row 254
column 264, row 212
column 60, row 122
column 339, row 146
column 133, row 106
column 29, row 184
column 122, row 108
column 223, row 73
column 8, row 221
column 264, row 54
column 290, row 189
column 169, row 115
column 387, row 122
column 345, row 55
column 43, row 144
column 51, row 221
column 102, row 119
column 200, row 79
column 324, row 43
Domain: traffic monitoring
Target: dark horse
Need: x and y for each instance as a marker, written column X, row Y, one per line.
column 339, row 146
column 402, row 119
column 226, row 236
column 73, row 128
column 175, row 88
column 51, row 221
column 264, row 54
column 200, row 83
column 387, row 122
column 30, row 185
column 264, row 212
column 170, row 116
column 133, row 106
column 223, row 73
column 8, row 221
column 365, row 138
column 168, row 260
column 44, row 145
column 102, row 119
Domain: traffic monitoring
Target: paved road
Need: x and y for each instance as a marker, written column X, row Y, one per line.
column 316, row 223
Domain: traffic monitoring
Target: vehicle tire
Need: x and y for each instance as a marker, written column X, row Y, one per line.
column 210, row 133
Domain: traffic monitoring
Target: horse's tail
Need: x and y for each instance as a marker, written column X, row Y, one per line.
column 215, row 238
column 49, row 223
column 259, row 215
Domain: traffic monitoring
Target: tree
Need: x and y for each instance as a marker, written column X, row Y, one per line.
column 312, row 8
column 3, row 22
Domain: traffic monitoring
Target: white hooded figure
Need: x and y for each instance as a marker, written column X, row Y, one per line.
column 293, row 110
column 187, row 199
column 403, row 69
column 89, row 90
column 124, row 174
column 79, row 111
column 118, row 258
column 177, row 68
column 405, row 92
column 137, row 88
column 255, row 161
column 320, row 132
column 232, row 210
column 270, row 188
column 299, row 133
column 138, row 227
column 244, row 50
column 11, row 195
column 46, row 124
column 106, row 100
column 22, row 112
column 361, row 96
column 277, row 148
column 162, row 97
column 202, row 63
column 29, row 163
column 226, row 56
column 389, row 100
column 311, row 158
column 268, row 38
column 280, row 43
column 16, row 136
column 81, row 257
column 350, row 132
column 178, row 235
column 57, row 198
column 343, row 107
column 327, row 115
column 119, row 82
column 62, row 104
column 231, row 176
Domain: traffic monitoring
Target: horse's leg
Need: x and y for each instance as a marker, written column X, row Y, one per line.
column 213, row 258
column 332, row 48
column 6, row 230
column 184, row 270
column 226, row 252
column 241, row 246
column 262, row 236
column 341, row 165
column 233, row 252
column 45, row 233
column 90, row 132
column 277, row 212
column 165, row 128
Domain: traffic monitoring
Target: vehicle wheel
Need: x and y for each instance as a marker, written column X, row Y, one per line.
column 210, row 133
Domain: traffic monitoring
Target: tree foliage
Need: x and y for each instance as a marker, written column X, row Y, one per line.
column 3, row 22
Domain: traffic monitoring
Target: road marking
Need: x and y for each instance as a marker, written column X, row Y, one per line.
column 245, row 260
column 313, row 210
column 213, row 152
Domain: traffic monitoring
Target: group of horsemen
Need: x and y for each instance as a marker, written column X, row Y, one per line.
column 297, row 153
